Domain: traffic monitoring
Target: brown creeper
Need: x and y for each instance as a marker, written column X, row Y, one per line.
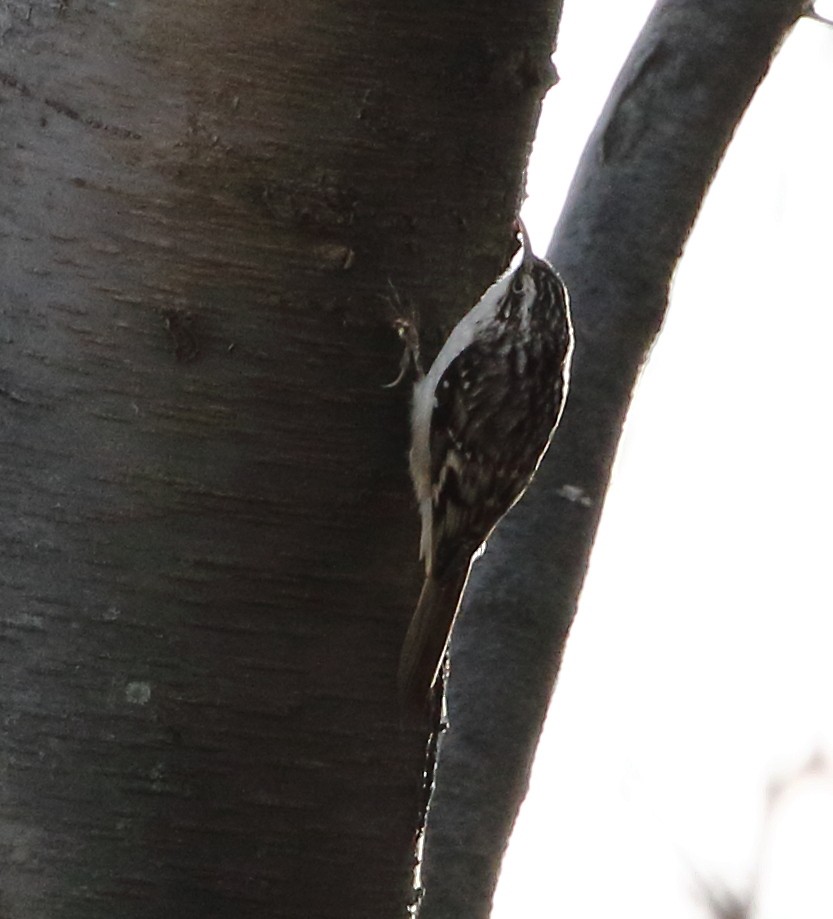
column 481, row 421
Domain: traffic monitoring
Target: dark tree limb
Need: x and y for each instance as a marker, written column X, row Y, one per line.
column 631, row 207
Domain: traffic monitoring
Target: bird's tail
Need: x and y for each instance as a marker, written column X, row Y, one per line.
column 427, row 637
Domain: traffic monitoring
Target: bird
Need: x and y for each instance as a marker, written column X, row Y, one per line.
column 481, row 420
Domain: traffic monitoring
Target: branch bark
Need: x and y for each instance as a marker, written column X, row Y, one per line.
column 631, row 207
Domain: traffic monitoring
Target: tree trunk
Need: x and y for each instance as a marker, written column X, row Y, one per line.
column 208, row 547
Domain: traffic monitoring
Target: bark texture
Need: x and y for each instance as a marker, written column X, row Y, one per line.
column 632, row 204
column 208, row 546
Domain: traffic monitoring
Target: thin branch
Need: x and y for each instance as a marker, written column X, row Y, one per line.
column 810, row 13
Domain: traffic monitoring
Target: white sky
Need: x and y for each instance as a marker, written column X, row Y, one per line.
column 700, row 668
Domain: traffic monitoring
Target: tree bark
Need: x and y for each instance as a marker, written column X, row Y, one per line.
column 632, row 204
column 208, row 540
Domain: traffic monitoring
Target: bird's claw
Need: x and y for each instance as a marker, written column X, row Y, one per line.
column 407, row 331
